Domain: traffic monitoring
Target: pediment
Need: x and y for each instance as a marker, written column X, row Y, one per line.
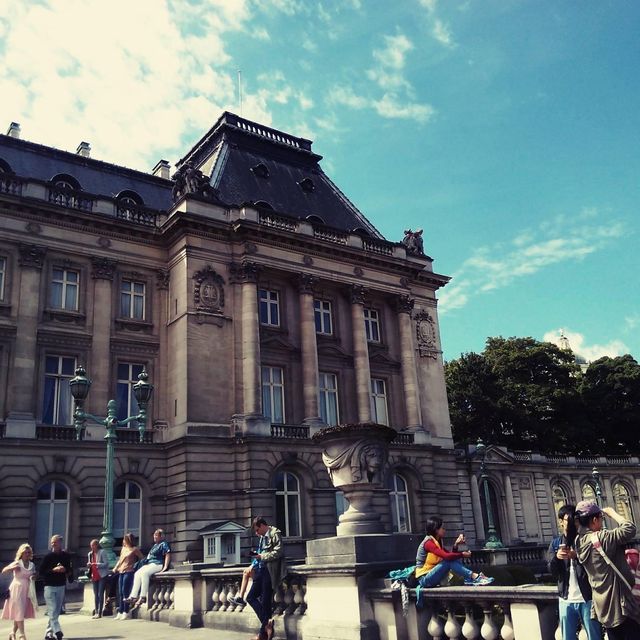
column 277, row 342
column 333, row 351
column 497, row 455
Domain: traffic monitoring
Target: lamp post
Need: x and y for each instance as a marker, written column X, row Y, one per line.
column 493, row 541
column 595, row 474
column 142, row 391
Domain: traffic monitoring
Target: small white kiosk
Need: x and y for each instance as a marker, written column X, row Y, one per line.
column 221, row 542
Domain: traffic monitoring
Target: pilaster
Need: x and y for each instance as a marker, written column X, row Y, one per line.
column 361, row 353
column 309, row 345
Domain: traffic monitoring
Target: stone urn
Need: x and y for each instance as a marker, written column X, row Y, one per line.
column 355, row 456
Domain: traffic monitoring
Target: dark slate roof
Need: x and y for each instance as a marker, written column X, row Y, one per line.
column 31, row 160
column 250, row 163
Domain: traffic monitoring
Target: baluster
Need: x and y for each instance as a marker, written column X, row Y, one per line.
column 506, row 632
column 298, row 598
column 288, row 598
column 172, row 595
column 215, row 596
column 278, row 601
column 470, row 628
column 226, row 594
column 451, row 626
column 166, row 595
column 488, row 630
column 435, row 628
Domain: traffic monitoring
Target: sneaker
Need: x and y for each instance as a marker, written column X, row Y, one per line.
column 59, row 635
column 238, row 601
column 125, row 616
column 482, row 580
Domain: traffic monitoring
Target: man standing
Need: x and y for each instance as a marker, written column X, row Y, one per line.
column 269, row 572
column 55, row 569
column 601, row 552
column 574, row 591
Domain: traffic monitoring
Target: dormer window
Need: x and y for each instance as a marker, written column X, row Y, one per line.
column 129, row 204
column 307, row 185
column 260, row 170
column 65, row 182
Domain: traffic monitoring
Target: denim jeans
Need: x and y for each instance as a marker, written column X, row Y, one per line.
column 54, row 598
column 98, row 595
column 571, row 613
column 437, row 574
column 260, row 596
column 125, row 582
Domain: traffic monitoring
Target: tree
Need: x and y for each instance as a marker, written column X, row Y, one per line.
column 519, row 392
column 610, row 392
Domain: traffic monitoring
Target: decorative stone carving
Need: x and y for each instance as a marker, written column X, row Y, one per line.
column 413, row 242
column 208, row 293
column 250, row 248
column 103, row 268
column 426, row 335
column 357, row 271
column 306, row 282
column 33, row 227
column 404, row 304
column 162, row 279
column 355, row 455
column 244, row 272
column 358, row 294
column 189, row 180
column 307, row 260
column 31, row 255
column 105, row 243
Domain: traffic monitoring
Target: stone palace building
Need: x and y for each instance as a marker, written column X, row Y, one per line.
column 264, row 306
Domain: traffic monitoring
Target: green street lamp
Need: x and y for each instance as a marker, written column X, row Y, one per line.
column 595, row 474
column 493, row 540
column 142, row 391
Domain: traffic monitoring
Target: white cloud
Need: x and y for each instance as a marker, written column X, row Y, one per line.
column 580, row 347
column 442, row 33
column 497, row 266
column 632, row 322
column 390, row 107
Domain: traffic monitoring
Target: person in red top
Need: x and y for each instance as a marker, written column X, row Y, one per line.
column 434, row 562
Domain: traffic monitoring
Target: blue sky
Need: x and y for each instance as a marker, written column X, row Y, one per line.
column 506, row 129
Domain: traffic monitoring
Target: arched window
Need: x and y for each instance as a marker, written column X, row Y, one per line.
column 400, row 516
column 65, row 181
column 495, row 512
column 588, row 491
column 52, row 514
column 622, row 500
column 288, row 511
column 560, row 498
column 128, row 205
column 127, row 509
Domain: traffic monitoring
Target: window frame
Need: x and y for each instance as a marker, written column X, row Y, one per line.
column 286, row 493
column 4, row 268
column 58, row 377
column 132, row 297
column 65, row 285
column 323, row 407
column 370, row 322
column 131, row 399
column 397, row 495
column 629, row 499
column 126, row 501
column 323, row 316
column 52, row 502
column 269, row 304
column 272, row 387
column 373, row 396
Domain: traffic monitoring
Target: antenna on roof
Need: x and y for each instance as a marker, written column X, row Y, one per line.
column 240, row 91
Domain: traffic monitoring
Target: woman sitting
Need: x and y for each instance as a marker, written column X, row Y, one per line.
column 157, row 560
column 129, row 554
column 434, row 562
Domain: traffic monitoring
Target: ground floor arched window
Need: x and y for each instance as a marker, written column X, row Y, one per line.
column 52, row 514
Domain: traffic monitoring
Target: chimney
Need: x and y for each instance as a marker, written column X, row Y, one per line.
column 162, row 170
column 14, row 130
column 84, row 150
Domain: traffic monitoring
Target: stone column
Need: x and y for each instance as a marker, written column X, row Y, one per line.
column 361, row 353
column 160, row 315
column 251, row 419
column 476, row 506
column 309, row 345
column 102, row 272
column 511, row 509
column 22, row 400
column 404, row 306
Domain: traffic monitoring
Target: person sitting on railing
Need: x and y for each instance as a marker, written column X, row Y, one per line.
column 434, row 562
column 601, row 552
column 157, row 561
column 574, row 590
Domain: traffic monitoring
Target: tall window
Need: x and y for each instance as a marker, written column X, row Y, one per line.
column 57, row 405
column 52, row 514
column 64, row 289
column 273, row 394
column 127, row 509
column 128, row 373
column 322, row 310
column 588, row 491
column 288, row 504
column 622, row 500
column 379, row 401
column 328, row 398
column 132, row 299
column 3, row 276
column 559, row 496
column 372, row 325
column 269, row 307
column 400, row 517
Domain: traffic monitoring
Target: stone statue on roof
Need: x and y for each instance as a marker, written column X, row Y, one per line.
column 413, row 242
column 189, row 180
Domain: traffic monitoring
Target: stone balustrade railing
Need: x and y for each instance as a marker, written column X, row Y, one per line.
column 527, row 612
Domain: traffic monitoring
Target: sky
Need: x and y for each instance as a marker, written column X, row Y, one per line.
column 507, row 130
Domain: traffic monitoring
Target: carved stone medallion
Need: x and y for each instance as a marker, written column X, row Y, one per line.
column 208, row 293
column 426, row 335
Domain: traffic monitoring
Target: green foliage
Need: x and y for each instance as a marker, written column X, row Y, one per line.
column 526, row 394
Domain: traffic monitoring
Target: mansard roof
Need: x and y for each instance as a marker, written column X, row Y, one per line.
column 250, row 163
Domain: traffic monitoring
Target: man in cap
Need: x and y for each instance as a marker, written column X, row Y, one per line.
column 601, row 553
